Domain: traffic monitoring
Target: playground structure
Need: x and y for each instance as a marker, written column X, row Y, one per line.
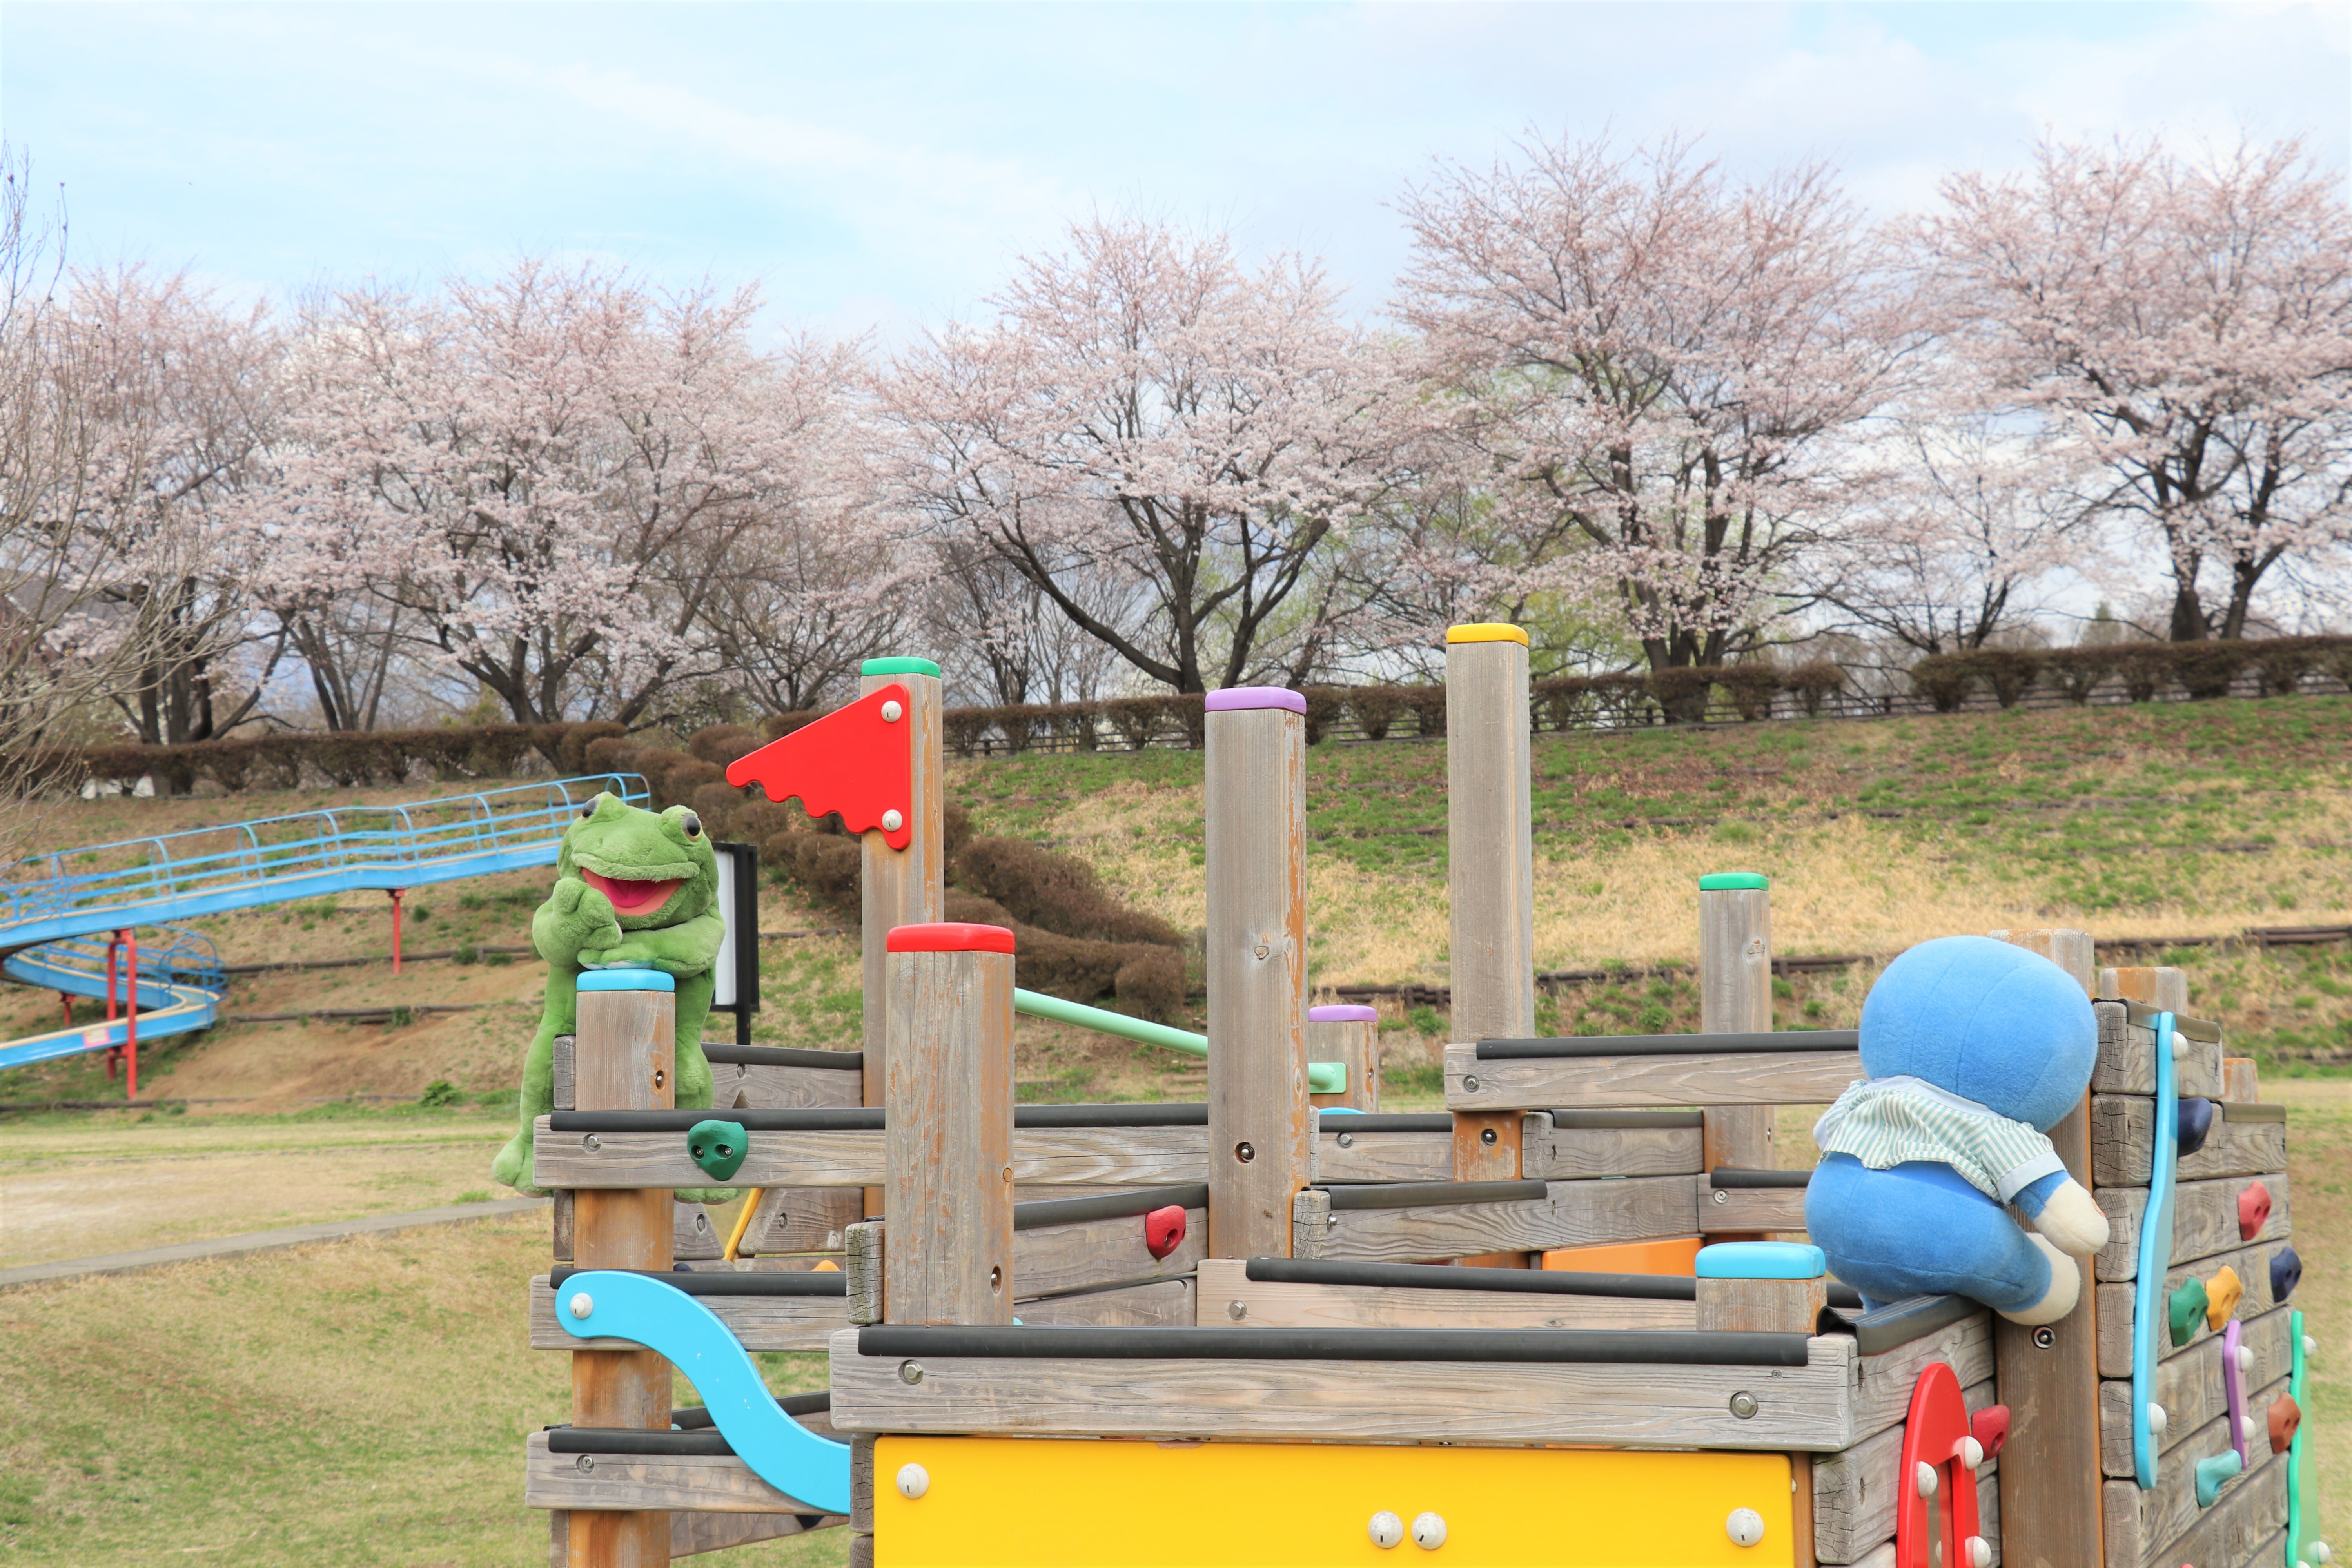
column 55, row 914
column 1545, row 1326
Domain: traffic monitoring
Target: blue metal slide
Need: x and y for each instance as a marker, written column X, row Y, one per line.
column 58, row 912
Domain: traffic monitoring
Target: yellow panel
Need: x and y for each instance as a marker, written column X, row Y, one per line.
column 1011, row 1503
column 1679, row 1256
column 1486, row 631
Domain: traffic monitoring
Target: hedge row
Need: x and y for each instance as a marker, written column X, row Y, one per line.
column 290, row 758
column 2202, row 669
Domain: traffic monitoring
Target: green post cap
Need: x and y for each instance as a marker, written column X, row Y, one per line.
column 1730, row 881
column 718, row 1147
column 898, row 666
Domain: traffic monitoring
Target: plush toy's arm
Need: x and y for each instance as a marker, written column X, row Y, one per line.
column 2064, row 1213
column 576, row 916
column 688, row 947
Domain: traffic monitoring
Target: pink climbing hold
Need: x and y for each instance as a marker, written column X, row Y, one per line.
column 1990, row 1428
column 1163, row 1230
column 2254, row 1211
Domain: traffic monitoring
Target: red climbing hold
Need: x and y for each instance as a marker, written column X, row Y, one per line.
column 2254, row 1211
column 1163, row 1230
column 1990, row 1428
column 856, row 761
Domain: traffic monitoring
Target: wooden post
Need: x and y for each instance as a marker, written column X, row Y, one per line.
column 2164, row 989
column 947, row 1253
column 1349, row 1034
column 625, row 1060
column 1734, row 998
column 1490, row 876
column 1259, row 1131
column 900, row 887
column 2050, row 1473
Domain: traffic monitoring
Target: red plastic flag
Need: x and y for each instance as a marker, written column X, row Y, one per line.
column 856, row 761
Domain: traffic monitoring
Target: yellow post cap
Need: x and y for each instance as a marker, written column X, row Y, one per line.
column 1486, row 631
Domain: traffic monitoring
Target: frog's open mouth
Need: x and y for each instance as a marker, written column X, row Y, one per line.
column 631, row 898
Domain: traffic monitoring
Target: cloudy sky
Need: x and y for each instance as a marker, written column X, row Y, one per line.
column 878, row 166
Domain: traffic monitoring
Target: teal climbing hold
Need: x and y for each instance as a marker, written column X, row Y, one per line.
column 600, row 1304
column 2211, row 1473
column 718, row 1147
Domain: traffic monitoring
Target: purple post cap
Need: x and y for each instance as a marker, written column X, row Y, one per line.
column 1233, row 699
column 1348, row 1013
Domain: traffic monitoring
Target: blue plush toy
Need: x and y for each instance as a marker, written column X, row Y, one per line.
column 1974, row 1048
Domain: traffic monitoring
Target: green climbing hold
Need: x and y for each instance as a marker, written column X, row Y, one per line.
column 898, row 666
column 2187, row 1309
column 1734, row 881
column 719, row 1147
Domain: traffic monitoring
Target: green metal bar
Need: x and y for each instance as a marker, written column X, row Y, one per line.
column 1322, row 1078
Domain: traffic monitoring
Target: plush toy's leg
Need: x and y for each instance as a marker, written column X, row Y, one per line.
column 2065, row 1288
column 694, row 1081
column 512, row 1168
column 1920, row 1229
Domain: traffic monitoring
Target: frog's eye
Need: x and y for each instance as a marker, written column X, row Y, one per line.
column 588, row 811
column 693, row 825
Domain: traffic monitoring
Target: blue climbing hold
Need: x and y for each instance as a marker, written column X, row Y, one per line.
column 2196, row 1121
column 2286, row 1273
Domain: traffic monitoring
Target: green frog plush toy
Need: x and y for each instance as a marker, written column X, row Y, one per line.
column 632, row 889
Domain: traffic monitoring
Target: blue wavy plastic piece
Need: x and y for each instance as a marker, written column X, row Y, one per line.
column 660, row 1317
column 2155, row 1257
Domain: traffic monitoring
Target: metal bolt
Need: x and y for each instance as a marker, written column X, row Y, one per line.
column 1237, row 1310
column 1744, row 1526
column 1470, row 1082
column 592, row 1143
column 1487, row 1136
column 585, row 1463
column 913, row 1479
column 892, row 712
column 1347, row 1139
column 1743, row 1405
column 892, row 821
column 910, row 1372
column 1245, row 1153
column 2043, row 1338
column 1720, row 1196
column 996, row 1278
column 660, row 1078
column 581, row 1304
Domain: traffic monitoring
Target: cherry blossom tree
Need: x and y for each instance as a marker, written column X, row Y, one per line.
column 1659, row 376
column 1144, row 416
column 2186, row 328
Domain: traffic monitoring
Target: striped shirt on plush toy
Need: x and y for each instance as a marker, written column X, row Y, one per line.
column 1884, row 1121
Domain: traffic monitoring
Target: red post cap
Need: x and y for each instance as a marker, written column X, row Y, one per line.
column 948, row 936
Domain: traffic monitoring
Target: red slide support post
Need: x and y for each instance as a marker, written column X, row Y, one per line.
column 396, row 893
column 131, row 1013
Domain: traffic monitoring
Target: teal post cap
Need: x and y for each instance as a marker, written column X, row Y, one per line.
column 898, row 666
column 1761, row 1260
column 1734, row 881
column 625, row 980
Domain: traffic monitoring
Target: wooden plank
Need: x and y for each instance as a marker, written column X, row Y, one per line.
column 2204, row 1221
column 1855, row 1492
column 625, row 1059
column 2252, row 1264
column 1355, row 1044
column 1762, row 1306
column 2188, row 1386
column 2123, row 1141
column 803, row 1220
column 1798, row 1408
column 1050, row 1260
column 1734, row 998
column 900, row 887
column 2164, row 988
column 764, row 1087
column 2241, row 1081
column 1259, row 1138
column 1045, row 1156
column 1341, row 1156
column 2140, row 1525
column 761, row 1322
column 2052, row 1512
column 1156, row 1304
column 1486, row 1145
column 861, row 1260
column 1728, row 1078
column 564, row 1081
column 710, row 1483
column 1490, row 866
column 1882, row 1382
column 2126, row 1063
column 1225, row 1286
column 694, row 1239
column 948, row 1253
column 1569, row 1214
column 1750, row 1211
column 1577, row 1153
column 691, row 1533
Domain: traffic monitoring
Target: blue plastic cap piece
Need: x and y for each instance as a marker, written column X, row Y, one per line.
column 1761, row 1260
column 625, row 980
